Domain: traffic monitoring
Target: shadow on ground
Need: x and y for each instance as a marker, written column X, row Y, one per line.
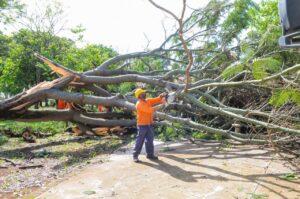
column 251, row 156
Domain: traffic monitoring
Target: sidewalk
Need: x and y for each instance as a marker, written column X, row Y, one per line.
column 185, row 170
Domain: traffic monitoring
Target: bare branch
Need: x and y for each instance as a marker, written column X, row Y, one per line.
column 165, row 10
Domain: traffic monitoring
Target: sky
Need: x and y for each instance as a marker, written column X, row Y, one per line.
column 125, row 25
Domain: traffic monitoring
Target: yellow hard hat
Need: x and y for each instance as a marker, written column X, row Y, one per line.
column 138, row 92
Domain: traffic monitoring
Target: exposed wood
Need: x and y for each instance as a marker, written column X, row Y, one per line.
column 56, row 67
column 101, row 131
column 32, row 96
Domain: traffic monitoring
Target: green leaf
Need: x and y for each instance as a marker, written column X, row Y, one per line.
column 289, row 176
column 281, row 97
column 247, row 50
column 261, row 68
column 233, row 70
column 295, row 97
column 258, row 196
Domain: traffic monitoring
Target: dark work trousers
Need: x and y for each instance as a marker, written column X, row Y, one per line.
column 145, row 133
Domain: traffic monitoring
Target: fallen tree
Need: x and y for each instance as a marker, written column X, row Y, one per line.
column 205, row 100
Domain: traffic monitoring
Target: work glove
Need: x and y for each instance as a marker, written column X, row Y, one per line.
column 164, row 98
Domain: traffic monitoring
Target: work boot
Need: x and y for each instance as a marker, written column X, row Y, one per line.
column 152, row 157
column 136, row 159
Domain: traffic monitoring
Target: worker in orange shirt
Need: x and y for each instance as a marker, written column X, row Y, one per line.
column 61, row 104
column 144, row 112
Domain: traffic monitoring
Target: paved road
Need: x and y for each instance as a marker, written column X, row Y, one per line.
column 185, row 170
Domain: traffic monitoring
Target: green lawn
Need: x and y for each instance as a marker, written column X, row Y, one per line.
column 44, row 127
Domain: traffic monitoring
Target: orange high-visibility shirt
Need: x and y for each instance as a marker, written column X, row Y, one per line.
column 144, row 110
column 102, row 108
column 61, row 104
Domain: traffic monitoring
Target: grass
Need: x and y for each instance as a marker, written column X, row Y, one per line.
column 289, row 177
column 52, row 127
column 73, row 153
column 3, row 139
column 258, row 196
column 69, row 153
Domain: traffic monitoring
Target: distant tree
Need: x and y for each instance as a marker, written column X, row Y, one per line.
column 87, row 57
column 10, row 10
column 18, row 65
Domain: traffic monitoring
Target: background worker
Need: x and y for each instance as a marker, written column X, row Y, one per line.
column 144, row 112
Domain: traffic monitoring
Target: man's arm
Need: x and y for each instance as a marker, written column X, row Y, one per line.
column 153, row 101
column 156, row 100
